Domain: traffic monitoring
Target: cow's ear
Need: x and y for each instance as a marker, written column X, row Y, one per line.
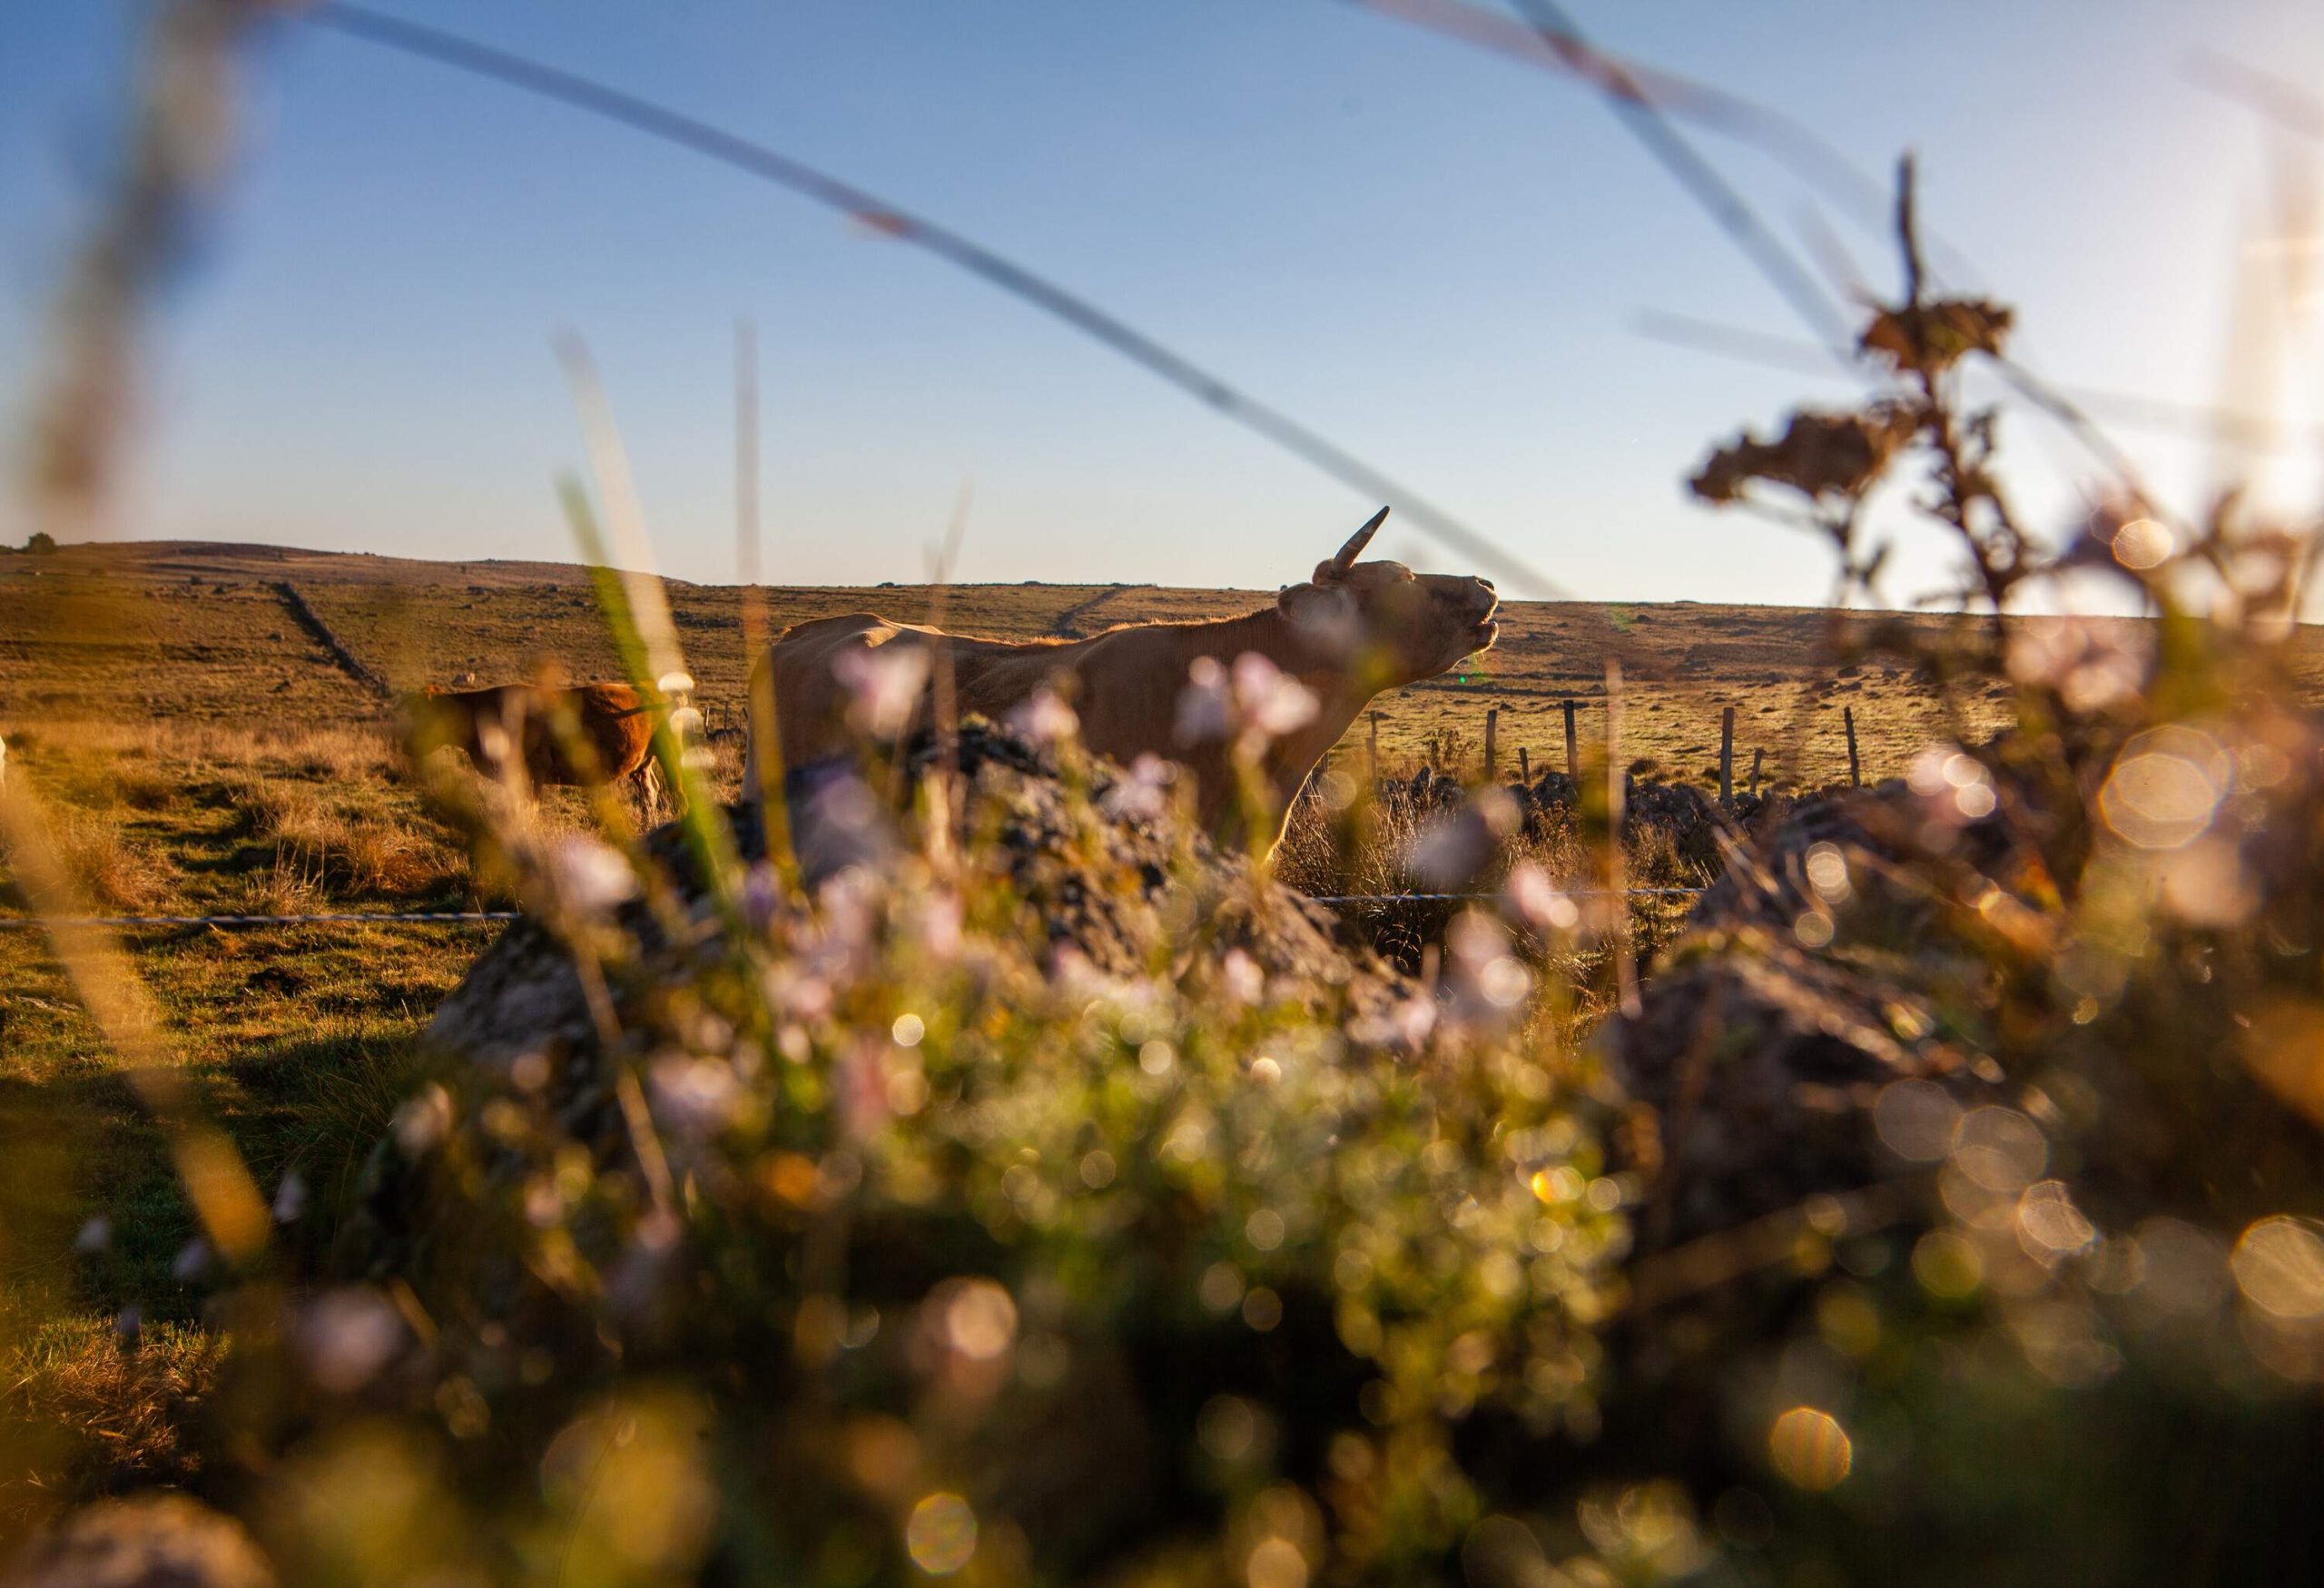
column 1325, row 610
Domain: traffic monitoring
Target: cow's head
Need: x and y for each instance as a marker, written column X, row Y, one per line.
column 1388, row 624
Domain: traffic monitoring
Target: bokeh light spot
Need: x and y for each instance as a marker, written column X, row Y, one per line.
column 2279, row 1265
column 2165, row 787
column 942, row 1535
column 2142, row 543
column 1277, row 1563
column 1810, row 1449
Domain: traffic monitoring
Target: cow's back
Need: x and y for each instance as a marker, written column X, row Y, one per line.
column 803, row 670
column 797, row 677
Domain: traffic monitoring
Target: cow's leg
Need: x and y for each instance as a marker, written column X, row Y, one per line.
column 646, row 791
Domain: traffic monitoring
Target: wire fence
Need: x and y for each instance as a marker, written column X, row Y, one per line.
column 485, row 917
column 343, row 918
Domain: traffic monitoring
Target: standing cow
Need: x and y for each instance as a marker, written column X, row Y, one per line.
column 534, row 735
column 1350, row 632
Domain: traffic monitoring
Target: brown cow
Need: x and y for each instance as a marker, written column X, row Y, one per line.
column 1351, row 631
column 540, row 736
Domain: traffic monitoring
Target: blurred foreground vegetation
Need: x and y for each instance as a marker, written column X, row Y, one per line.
column 1049, row 1198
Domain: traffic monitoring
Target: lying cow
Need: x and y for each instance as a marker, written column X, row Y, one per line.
column 533, row 735
column 1346, row 634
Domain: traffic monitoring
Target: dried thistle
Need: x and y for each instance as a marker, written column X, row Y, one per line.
column 1927, row 338
column 1825, row 457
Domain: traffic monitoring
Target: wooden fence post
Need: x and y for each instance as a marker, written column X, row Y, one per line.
column 1492, row 735
column 1617, row 879
column 1727, row 757
column 1856, row 768
column 1756, row 754
column 1524, row 768
column 1376, row 747
column 1573, row 751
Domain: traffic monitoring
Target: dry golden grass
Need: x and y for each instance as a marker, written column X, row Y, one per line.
column 116, row 870
column 78, row 1404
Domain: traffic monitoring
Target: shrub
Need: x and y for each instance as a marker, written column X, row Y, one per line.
column 980, row 1200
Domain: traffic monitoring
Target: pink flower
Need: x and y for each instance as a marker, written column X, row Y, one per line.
column 1414, row 1019
column 694, row 1096
column 939, row 919
column 1145, row 793
column 1205, row 713
column 1273, row 702
column 1044, row 720
column 1244, row 982
column 347, row 1336
column 884, row 684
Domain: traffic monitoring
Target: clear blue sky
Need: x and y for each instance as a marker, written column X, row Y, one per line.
column 1431, row 254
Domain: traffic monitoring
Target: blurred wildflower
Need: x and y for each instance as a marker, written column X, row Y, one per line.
column 1143, row 793
column 1272, row 702
column 422, row 1120
column 591, row 877
column 290, row 1197
column 1206, row 707
column 346, row 1336
column 1044, row 720
column 1240, row 977
column 884, row 686
column 694, row 1096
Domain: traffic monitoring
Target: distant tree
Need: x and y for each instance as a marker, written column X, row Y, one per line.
column 42, row 544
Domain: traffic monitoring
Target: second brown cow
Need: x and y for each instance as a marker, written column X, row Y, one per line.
column 542, row 735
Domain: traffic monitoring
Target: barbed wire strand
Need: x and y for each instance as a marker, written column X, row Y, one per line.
column 365, row 918
column 479, row 917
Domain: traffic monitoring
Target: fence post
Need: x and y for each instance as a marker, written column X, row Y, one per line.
column 1572, row 752
column 1492, row 734
column 1375, row 748
column 1856, row 768
column 1727, row 757
column 1524, row 769
column 1617, row 881
column 1756, row 754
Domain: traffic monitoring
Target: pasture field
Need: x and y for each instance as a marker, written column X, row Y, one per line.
column 191, row 632
column 202, row 752
column 205, row 754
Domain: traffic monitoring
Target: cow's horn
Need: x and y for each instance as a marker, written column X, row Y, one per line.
column 1357, row 542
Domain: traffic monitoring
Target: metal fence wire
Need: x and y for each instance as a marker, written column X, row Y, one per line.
column 482, row 917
